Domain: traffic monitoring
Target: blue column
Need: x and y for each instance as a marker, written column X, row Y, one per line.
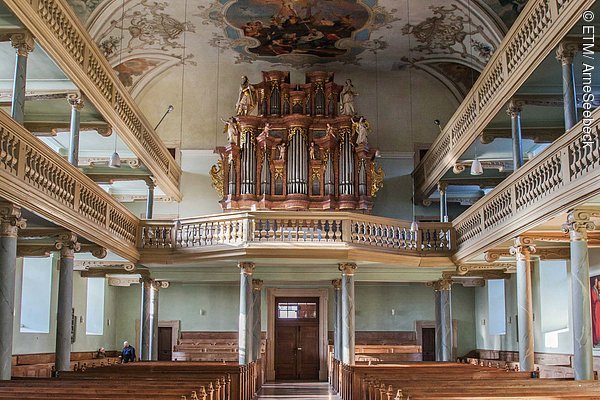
column 145, row 351
column 245, row 319
column 257, row 285
column 10, row 222
column 76, row 103
column 443, row 320
column 514, row 110
column 68, row 245
column 23, row 43
column 150, row 199
column 522, row 250
column 348, row 312
column 578, row 224
column 565, row 53
column 337, row 321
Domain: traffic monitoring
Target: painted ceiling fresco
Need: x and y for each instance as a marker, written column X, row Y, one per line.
column 309, row 31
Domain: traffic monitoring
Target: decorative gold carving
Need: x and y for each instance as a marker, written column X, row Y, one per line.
column 566, row 51
column 523, row 248
column 315, row 175
column 347, row 269
column 442, row 284
column 278, row 173
column 579, row 223
column 123, row 282
column 337, row 284
column 377, row 176
column 67, row 244
column 246, row 268
column 295, row 130
column 257, row 284
column 10, row 220
column 217, row 176
column 247, row 135
column 23, row 42
column 75, row 101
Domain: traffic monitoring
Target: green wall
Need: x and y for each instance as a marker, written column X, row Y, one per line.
column 32, row 343
column 374, row 301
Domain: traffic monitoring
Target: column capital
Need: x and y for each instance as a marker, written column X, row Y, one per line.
column 514, row 108
column 67, row 244
column 566, row 51
column 150, row 183
column 442, row 186
column 337, row 284
column 347, row 268
column 10, row 220
column 441, row 284
column 246, row 268
column 257, row 284
column 579, row 223
column 523, row 248
column 75, row 101
column 23, row 42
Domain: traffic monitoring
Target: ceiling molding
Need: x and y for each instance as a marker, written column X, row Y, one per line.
column 544, row 253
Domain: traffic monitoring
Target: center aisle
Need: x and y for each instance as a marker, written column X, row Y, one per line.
column 297, row 391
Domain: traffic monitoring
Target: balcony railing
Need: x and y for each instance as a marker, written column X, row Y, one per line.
column 537, row 31
column 243, row 228
column 35, row 177
column 562, row 176
column 62, row 36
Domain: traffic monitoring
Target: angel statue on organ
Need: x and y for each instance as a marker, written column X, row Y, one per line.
column 246, row 98
column 232, row 129
column 362, row 128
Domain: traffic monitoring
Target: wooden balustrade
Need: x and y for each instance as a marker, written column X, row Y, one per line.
column 62, row 36
column 540, row 27
column 36, row 178
column 563, row 175
column 266, row 227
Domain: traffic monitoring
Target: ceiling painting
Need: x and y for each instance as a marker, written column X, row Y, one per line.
column 297, row 33
column 507, row 10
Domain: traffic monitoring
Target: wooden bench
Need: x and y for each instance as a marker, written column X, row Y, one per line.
column 41, row 365
column 144, row 380
column 429, row 380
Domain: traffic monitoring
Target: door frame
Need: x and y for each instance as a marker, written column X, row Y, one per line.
column 419, row 325
column 174, row 325
column 322, row 294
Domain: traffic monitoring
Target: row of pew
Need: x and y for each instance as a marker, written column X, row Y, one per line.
column 450, row 381
column 209, row 346
column 144, row 380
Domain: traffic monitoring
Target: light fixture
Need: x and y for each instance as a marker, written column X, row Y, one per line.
column 476, row 167
column 115, row 159
column 414, row 226
column 169, row 110
column 438, row 123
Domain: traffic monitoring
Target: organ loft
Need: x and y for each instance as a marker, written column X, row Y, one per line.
column 297, row 146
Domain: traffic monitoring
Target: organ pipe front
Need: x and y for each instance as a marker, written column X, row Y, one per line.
column 299, row 152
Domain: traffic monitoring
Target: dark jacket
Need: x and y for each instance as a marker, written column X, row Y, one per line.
column 128, row 354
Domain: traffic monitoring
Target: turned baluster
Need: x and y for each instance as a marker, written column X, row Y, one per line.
column 211, row 391
column 194, row 395
column 203, row 395
column 218, row 389
column 399, row 395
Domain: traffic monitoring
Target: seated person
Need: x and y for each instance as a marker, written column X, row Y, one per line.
column 128, row 353
column 101, row 353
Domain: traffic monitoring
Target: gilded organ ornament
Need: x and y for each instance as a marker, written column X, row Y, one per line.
column 304, row 150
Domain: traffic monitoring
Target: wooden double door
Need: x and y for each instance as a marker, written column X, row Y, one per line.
column 297, row 338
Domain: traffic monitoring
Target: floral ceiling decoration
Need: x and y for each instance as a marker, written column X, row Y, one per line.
column 450, row 30
column 299, row 32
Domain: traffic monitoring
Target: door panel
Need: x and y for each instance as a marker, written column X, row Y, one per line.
column 285, row 352
column 428, row 344
column 165, row 337
column 308, row 342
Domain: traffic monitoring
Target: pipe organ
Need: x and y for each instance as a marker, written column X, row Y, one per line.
column 298, row 152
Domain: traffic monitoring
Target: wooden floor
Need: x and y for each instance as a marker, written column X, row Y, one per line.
column 297, row 391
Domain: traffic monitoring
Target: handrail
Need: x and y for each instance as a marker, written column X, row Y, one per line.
column 243, row 228
column 38, row 179
column 59, row 32
column 540, row 27
column 563, row 175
